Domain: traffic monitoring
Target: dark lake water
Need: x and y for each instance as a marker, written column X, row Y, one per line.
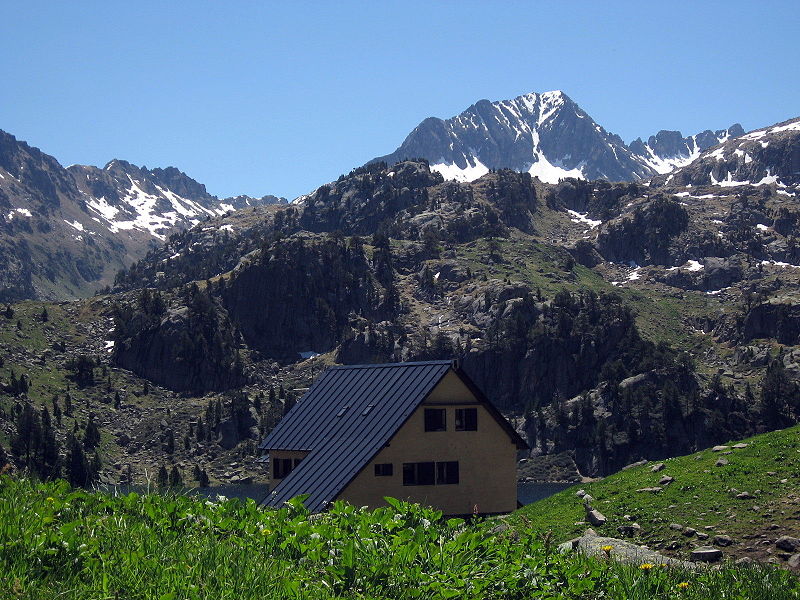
column 526, row 492
column 531, row 492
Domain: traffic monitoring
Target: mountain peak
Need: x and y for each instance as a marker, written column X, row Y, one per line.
column 545, row 134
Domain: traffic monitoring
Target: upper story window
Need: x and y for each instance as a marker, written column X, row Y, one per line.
column 435, row 419
column 466, row 419
column 281, row 467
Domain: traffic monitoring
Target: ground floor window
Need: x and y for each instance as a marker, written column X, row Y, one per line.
column 384, row 470
column 430, row 473
column 447, row 472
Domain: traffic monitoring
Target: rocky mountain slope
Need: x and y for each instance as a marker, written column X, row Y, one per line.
column 609, row 321
column 547, row 135
column 64, row 233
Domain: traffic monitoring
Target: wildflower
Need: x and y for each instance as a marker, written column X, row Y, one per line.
column 315, row 536
column 683, row 585
column 50, row 499
column 646, row 566
column 265, row 531
column 607, row 549
column 425, row 523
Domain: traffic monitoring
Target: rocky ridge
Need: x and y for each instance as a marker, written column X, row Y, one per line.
column 64, row 232
column 549, row 136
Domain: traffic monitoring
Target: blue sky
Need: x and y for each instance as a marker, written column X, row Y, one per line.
column 257, row 97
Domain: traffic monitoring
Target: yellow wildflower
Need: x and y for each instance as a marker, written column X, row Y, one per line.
column 646, row 566
column 50, row 499
column 607, row 549
column 266, row 531
column 683, row 585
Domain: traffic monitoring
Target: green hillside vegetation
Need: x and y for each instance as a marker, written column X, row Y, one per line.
column 56, row 542
column 751, row 499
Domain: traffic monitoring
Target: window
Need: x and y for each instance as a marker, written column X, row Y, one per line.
column 419, row 473
column 447, row 472
column 435, row 419
column 281, row 467
column 430, row 473
column 384, row 470
column 466, row 419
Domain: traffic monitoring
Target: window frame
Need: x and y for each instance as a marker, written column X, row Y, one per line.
column 463, row 423
column 447, row 472
column 382, row 468
column 419, row 473
column 429, row 426
column 281, row 467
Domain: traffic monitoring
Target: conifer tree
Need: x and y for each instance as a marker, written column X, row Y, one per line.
column 56, row 410
column 162, row 479
column 175, row 479
column 77, row 469
column 91, row 435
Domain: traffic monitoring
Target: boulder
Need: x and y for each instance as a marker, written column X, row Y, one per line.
column 720, row 448
column 666, row 480
column 745, row 496
column 706, row 554
column 721, row 462
column 790, row 544
column 658, row 467
column 630, row 530
column 739, row 446
column 722, row 540
column 638, row 463
column 794, row 561
column 689, row 532
column 595, row 517
column 652, row 490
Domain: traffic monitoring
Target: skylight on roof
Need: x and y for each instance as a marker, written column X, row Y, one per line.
column 341, row 412
column 366, row 410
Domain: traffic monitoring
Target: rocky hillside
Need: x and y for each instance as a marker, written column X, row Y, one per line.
column 611, row 322
column 668, row 150
column 64, row 233
column 766, row 156
column 549, row 136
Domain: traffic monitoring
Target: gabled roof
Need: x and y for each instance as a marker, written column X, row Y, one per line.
column 347, row 417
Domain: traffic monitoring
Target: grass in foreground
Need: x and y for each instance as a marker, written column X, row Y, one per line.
column 61, row 543
column 702, row 495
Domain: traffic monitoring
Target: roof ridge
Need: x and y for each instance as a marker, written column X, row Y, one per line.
column 393, row 365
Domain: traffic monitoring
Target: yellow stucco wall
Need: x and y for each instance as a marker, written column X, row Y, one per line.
column 282, row 454
column 486, row 457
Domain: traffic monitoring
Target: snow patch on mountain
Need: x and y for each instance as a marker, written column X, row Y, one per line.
column 452, row 171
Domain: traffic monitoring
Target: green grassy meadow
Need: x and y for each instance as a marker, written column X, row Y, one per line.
column 56, row 542
column 702, row 496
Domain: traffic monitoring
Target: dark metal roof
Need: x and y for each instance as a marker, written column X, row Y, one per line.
column 332, row 422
